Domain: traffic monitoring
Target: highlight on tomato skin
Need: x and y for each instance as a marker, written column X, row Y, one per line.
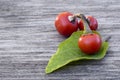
column 90, row 43
column 64, row 26
column 92, row 21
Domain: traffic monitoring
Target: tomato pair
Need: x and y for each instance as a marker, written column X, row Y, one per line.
column 66, row 27
column 89, row 42
column 66, row 24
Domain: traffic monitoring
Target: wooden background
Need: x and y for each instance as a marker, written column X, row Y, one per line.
column 28, row 39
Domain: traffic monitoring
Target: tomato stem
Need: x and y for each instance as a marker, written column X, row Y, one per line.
column 108, row 38
column 85, row 22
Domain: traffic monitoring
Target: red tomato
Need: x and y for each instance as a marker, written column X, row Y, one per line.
column 93, row 24
column 64, row 26
column 90, row 43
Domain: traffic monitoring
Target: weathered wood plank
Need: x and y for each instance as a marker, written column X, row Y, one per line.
column 28, row 39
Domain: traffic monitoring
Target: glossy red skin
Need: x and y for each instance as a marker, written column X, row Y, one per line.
column 64, row 26
column 90, row 43
column 92, row 23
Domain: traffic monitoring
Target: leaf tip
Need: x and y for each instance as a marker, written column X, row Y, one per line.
column 47, row 71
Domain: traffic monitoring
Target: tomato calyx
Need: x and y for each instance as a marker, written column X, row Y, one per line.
column 71, row 19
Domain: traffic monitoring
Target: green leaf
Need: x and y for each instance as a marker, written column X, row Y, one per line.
column 69, row 51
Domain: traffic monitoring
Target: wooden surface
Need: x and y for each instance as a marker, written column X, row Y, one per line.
column 28, row 39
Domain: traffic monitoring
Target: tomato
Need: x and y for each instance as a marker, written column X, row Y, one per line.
column 93, row 24
column 90, row 43
column 64, row 26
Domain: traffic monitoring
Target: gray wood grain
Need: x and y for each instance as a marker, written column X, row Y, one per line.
column 28, row 39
